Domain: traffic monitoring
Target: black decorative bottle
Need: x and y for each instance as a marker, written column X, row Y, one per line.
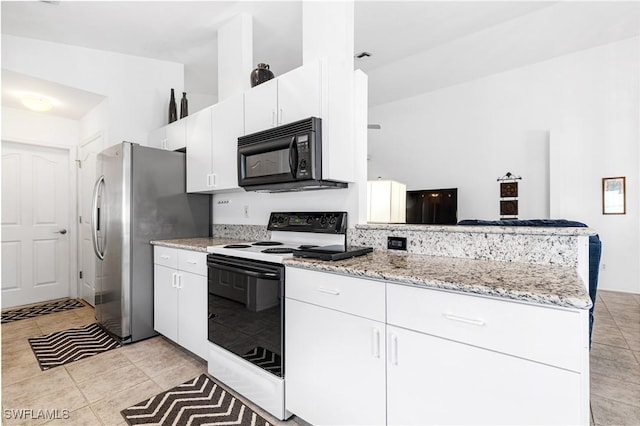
column 173, row 113
column 261, row 74
column 184, row 106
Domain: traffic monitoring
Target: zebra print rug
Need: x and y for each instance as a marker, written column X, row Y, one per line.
column 62, row 347
column 197, row 402
column 40, row 309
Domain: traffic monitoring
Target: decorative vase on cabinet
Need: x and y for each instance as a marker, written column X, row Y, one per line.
column 261, row 74
column 184, row 106
column 173, row 113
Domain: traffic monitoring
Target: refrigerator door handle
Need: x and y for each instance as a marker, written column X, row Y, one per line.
column 95, row 218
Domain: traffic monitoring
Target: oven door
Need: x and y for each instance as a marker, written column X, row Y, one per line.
column 246, row 310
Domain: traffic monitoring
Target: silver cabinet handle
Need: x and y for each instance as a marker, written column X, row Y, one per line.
column 192, row 262
column 375, row 340
column 471, row 321
column 394, row 349
column 62, row 231
column 329, row 291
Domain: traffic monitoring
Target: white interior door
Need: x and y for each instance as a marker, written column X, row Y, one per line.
column 86, row 180
column 35, row 223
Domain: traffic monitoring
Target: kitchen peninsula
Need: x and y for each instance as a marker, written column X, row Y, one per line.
column 493, row 319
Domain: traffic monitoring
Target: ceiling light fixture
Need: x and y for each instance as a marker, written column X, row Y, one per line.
column 362, row 55
column 37, row 104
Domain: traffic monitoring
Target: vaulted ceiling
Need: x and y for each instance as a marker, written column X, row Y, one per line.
column 416, row 46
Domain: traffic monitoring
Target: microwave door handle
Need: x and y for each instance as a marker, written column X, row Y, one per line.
column 293, row 157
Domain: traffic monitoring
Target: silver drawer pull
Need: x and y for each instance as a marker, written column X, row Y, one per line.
column 192, row 262
column 329, row 291
column 164, row 256
column 472, row 321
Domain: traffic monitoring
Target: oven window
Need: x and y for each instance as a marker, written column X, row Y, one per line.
column 267, row 163
column 245, row 317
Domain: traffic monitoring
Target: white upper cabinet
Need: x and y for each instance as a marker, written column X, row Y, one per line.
column 228, row 124
column 170, row 137
column 212, row 139
column 199, row 151
column 260, row 106
column 176, row 135
column 299, row 94
column 291, row 97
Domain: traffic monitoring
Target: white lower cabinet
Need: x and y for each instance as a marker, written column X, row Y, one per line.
column 432, row 381
column 335, row 366
column 180, row 297
column 360, row 351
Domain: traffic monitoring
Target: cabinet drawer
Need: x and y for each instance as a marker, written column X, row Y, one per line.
column 355, row 296
column 192, row 261
column 548, row 335
column 165, row 256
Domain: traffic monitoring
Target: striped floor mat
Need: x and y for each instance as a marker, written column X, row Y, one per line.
column 40, row 309
column 200, row 401
column 66, row 346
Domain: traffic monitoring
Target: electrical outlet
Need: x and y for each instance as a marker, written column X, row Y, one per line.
column 246, row 212
column 396, row 243
column 604, row 267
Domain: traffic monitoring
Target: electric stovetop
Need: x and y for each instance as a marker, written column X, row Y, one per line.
column 334, row 252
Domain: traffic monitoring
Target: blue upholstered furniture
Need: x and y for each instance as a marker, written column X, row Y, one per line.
column 595, row 248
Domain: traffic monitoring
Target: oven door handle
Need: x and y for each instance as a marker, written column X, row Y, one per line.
column 246, row 271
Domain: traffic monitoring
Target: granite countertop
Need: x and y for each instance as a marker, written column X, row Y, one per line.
column 196, row 244
column 541, row 284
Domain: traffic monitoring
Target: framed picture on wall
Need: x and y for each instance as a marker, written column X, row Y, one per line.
column 508, row 207
column 613, row 195
column 508, row 189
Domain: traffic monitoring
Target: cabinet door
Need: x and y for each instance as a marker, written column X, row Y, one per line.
column 228, row 125
column 199, row 150
column 165, row 303
column 335, row 366
column 192, row 307
column 438, row 381
column 158, row 138
column 299, row 94
column 260, row 107
column 176, row 135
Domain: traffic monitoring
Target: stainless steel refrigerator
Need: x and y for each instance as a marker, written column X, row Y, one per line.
column 140, row 196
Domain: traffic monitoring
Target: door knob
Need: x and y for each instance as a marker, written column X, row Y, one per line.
column 62, row 231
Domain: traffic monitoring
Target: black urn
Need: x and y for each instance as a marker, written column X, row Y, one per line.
column 261, row 74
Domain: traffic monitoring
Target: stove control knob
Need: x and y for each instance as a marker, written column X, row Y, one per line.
column 332, row 220
column 323, row 220
column 280, row 219
column 309, row 219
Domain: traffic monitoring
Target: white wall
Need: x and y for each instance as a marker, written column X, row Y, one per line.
column 582, row 108
column 137, row 88
column 39, row 128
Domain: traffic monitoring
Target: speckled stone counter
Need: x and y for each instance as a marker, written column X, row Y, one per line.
column 538, row 245
column 196, row 244
column 542, row 284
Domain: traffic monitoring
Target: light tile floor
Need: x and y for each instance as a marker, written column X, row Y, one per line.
column 615, row 360
column 95, row 389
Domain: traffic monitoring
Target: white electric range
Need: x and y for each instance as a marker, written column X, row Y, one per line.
column 246, row 309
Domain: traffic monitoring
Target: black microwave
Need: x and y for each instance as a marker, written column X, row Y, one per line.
column 284, row 158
